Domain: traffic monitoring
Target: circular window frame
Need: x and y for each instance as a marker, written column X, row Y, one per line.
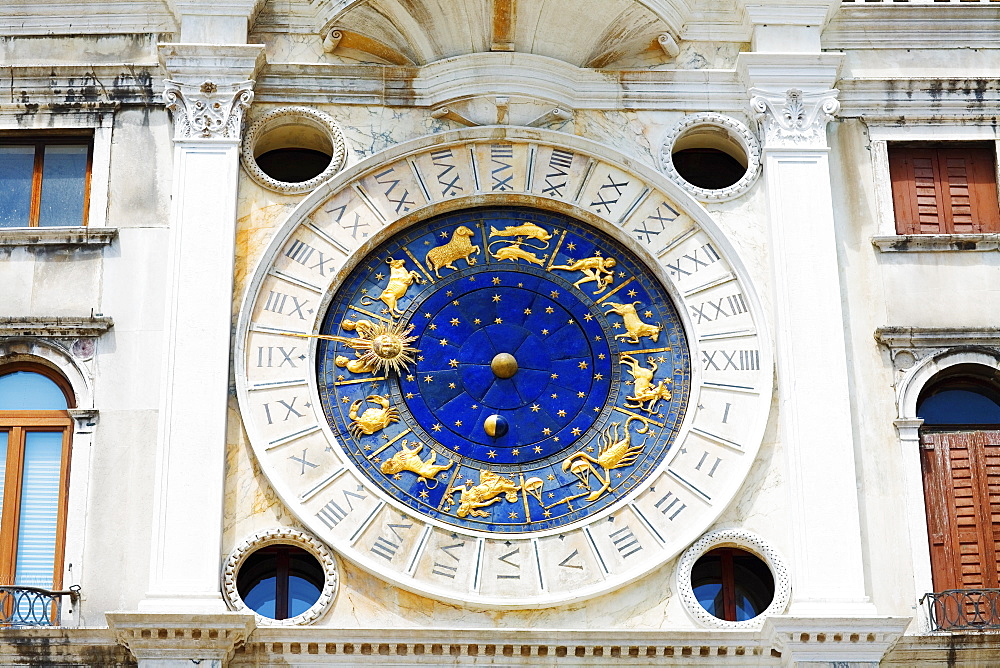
column 276, row 118
column 736, row 131
column 283, row 536
column 743, row 540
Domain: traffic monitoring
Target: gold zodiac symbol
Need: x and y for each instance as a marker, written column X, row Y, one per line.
column 526, row 230
column 615, row 452
column 645, row 391
column 490, row 489
column 377, row 346
column 399, row 281
column 597, row 269
column 634, row 327
column 459, row 247
column 373, row 419
column 513, row 251
column 408, row 459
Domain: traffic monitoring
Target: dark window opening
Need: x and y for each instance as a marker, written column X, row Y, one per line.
column 732, row 584
column 967, row 395
column 293, row 165
column 280, row 581
column 708, row 168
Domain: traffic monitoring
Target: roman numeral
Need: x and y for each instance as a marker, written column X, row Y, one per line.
column 725, row 415
column 352, row 227
column 738, row 360
column 386, row 547
column 266, row 357
column 499, row 154
column 667, row 504
column 447, row 570
column 573, row 555
column 656, row 222
column 723, row 307
column 289, row 410
column 448, row 181
column 303, row 461
column 303, row 253
column 333, row 514
column 277, row 301
column 606, row 200
column 504, row 558
column 690, row 263
column 623, row 540
column 402, row 202
column 559, row 163
column 711, row 472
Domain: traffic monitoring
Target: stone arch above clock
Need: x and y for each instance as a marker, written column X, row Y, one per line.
column 345, row 219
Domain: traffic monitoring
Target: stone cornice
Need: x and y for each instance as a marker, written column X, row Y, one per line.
column 193, row 64
column 926, row 243
column 812, row 641
column 922, row 26
column 54, row 326
column 936, row 99
column 181, row 636
column 937, row 337
column 76, row 88
column 57, row 236
column 86, row 17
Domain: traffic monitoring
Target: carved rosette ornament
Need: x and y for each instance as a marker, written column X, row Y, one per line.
column 794, row 119
column 206, row 112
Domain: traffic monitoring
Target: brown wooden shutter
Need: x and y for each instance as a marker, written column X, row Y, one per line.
column 944, row 190
column 962, row 494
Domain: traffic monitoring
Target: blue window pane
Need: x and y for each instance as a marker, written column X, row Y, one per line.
column 261, row 598
column 3, row 468
column 710, row 598
column 17, row 164
column 959, row 407
column 36, row 535
column 302, row 594
column 64, row 174
column 24, row 390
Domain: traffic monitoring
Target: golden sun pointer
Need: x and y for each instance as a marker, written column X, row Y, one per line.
column 381, row 347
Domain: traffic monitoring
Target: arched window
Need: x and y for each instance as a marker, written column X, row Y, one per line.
column 960, row 461
column 35, row 431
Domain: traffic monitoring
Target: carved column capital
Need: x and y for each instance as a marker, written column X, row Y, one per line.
column 794, row 119
column 208, row 111
column 169, row 639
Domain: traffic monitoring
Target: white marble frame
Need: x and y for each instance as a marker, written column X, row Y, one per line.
column 908, row 429
column 881, row 135
column 53, row 355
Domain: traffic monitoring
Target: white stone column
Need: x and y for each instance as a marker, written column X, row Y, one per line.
column 207, row 96
column 813, row 388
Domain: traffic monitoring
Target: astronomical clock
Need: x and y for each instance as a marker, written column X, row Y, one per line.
column 503, row 370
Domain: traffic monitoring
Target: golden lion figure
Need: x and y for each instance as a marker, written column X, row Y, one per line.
column 408, row 459
column 459, row 247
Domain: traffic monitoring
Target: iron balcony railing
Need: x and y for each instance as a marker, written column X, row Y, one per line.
column 32, row 606
column 963, row 609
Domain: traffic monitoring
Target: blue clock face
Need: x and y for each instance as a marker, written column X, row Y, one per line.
column 504, row 370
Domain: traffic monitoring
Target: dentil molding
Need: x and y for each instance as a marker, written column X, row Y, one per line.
column 206, row 111
column 181, row 637
column 794, row 118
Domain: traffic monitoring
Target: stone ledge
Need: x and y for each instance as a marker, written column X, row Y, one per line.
column 181, row 637
column 57, row 236
column 926, row 243
column 57, row 326
column 937, row 337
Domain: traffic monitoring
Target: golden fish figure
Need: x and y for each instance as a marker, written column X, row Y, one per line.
column 614, row 452
column 634, row 327
column 400, row 279
column 598, row 269
column 514, row 252
column 490, row 489
column 525, row 230
column 460, row 246
column 373, row 419
column 408, row 459
column 644, row 390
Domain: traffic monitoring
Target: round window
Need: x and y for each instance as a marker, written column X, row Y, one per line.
column 711, row 156
column 732, row 584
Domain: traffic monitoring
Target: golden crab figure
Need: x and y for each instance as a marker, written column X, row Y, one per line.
column 378, row 346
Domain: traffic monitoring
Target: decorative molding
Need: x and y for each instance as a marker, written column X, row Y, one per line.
column 905, row 102
column 736, row 131
column 282, row 536
column 303, row 116
column 204, row 112
column 181, row 636
column 794, row 119
column 746, row 540
column 926, row 243
column 834, row 641
column 85, row 418
column 57, row 326
column 57, row 236
column 937, row 337
column 880, row 24
column 74, row 89
column 527, row 111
